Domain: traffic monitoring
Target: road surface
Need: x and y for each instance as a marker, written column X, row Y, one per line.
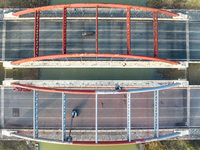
column 111, row 110
column 19, row 41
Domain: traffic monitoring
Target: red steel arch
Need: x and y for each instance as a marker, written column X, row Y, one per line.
column 45, row 89
column 94, row 55
column 94, row 5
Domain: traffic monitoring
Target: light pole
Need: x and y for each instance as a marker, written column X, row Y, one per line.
column 74, row 114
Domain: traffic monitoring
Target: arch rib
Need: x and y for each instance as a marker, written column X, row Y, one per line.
column 93, row 55
column 92, row 143
column 93, row 5
column 55, row 90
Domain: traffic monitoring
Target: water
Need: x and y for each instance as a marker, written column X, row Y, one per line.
column 47, row 146
column 128, row 2
column 99, row 74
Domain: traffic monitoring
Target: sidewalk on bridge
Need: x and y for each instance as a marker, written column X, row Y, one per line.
column 95, row 83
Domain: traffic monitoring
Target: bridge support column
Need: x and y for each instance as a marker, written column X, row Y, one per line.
column 35, row 114
column 96, row 119
column 128, row 31
column 64, row 29
column 129, row 117
column 63, row 116
column 36, row 37
column 156, row 113
column 155, row 33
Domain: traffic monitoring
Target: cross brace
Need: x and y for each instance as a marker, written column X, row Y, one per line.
column 128, row 32
column 63, row 116
column 96, row 29
column 36, row 37
column 155, row 33
column 64, row 29
column 129, row 117
column 35, row 114
column 96, row 119
column 156, row 113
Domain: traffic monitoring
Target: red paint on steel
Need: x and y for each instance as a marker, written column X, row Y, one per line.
column 97, row 29
column 64, row 29
column 92, row 143
column 90, row 5
column 36, row 37
column 128, row 32
column 94, row 55
column 45, row 89
column 155, row 33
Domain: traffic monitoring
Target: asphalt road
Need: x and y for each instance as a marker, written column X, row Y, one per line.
column 111, row 110
column 112, row 38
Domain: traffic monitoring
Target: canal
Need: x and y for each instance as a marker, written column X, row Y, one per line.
column 47, row 146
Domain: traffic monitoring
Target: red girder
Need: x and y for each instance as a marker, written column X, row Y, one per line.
column 97, row 29
column 94, row 5
column 94, row 55
column 128, row 32
column 64, row 29
column 155, row 33
column 36, row 37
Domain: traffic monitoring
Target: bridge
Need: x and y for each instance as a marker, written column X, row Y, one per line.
column 121, row 39
column 125, row 37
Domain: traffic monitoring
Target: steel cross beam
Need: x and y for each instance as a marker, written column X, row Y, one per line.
column 156, row 113
column 64, row 29
column 96, row 119
column 35, row 114
column 36, row 37
column 128, row 32
column 155, row 33
column 129, row 117
column 97, row 29
column 63, row 116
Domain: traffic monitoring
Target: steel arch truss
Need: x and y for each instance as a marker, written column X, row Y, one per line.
column 58, row 56
column 96, row 5
column 97, row 92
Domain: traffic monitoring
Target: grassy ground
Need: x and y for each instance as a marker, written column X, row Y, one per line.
column 174, row 4
column 173, row 145
column 130, row 2
column 1, row 73
column 23, row 3
column 13, row 145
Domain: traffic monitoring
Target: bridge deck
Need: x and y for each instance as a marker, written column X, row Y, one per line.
column 112, row 109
